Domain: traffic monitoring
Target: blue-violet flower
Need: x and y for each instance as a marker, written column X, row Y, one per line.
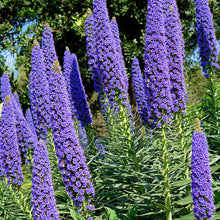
column 206, row 35
column 38, row 93
column 72, row 162
column 157, row 80
column 43, row 199
column 201, row 176
column 9, row 150
column 175, row 58
column 139, row 89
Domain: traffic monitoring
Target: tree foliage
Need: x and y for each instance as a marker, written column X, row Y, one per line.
column 23, row 21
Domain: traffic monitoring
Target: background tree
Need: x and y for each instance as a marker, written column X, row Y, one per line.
column 23, row 21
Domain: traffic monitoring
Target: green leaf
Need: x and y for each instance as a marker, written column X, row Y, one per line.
column 186, row 217
column 215, row 168
column 112, row 215
column 185, row 201
column 75, row 215
column 214, row 160
column 217, row 205
column 181, row 182
column 217, row 215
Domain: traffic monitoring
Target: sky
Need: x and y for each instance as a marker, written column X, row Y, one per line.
column 9, row 57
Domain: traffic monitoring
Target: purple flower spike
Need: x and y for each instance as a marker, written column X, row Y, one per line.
column 112, row 79
column 24, row 134
column 5, row 86
column 139, row 89
column 90, row 48
column 48, row 49
column 72, row 162
column 43, row 199
column 201, row 176
column 29, row 119
column 81, row 131
column 175, row 47
column 38, row 93
column 157, row 80
column 10, row 159
column 77, row 95
column 115, row 32
column 206, row 35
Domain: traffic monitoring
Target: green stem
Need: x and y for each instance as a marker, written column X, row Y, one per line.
column 183, row 147
column 212, row 89
column 214, row 101
column 166, row 175
column 127, row 124
column 20, row 200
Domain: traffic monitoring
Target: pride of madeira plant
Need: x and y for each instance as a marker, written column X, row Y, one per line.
column 72, row 162
column 201, row 176
column 38, row 93
column 209, row 61
column 130, row 169
column 157, row 81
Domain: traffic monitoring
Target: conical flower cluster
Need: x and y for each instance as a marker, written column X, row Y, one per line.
column 206, row 35
column 24, row 133
column 157, row 80
column 38, row 93
column 72, row 162
column 91, row 51
column 48, row 50
column 80, row 129
column 5, row 86
column 201, row 176
column 108, row 66
column 119, row 55
column 175, row 56
column 10, row 159
column 139, row 89
column 43, row 199
column 77, row 95
column 24, row 136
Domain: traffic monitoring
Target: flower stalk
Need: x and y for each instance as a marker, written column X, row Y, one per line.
column 166, row 174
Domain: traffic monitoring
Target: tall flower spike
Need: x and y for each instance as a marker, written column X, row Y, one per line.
column 10, row 155
column 201, row 176
column 72, row 162
column 92, row 59
column 139, row 90
column 67, row 66
column 43, row 199
column 175, row 57
column 90, row 49
column 5, row 86
column 75, row 88
column 119, row 55
column 24, row 134
column 30, row 121
column 112, row 79
column 48, row 49
column 38, row 92
column 157, row 79
column 206, row 35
